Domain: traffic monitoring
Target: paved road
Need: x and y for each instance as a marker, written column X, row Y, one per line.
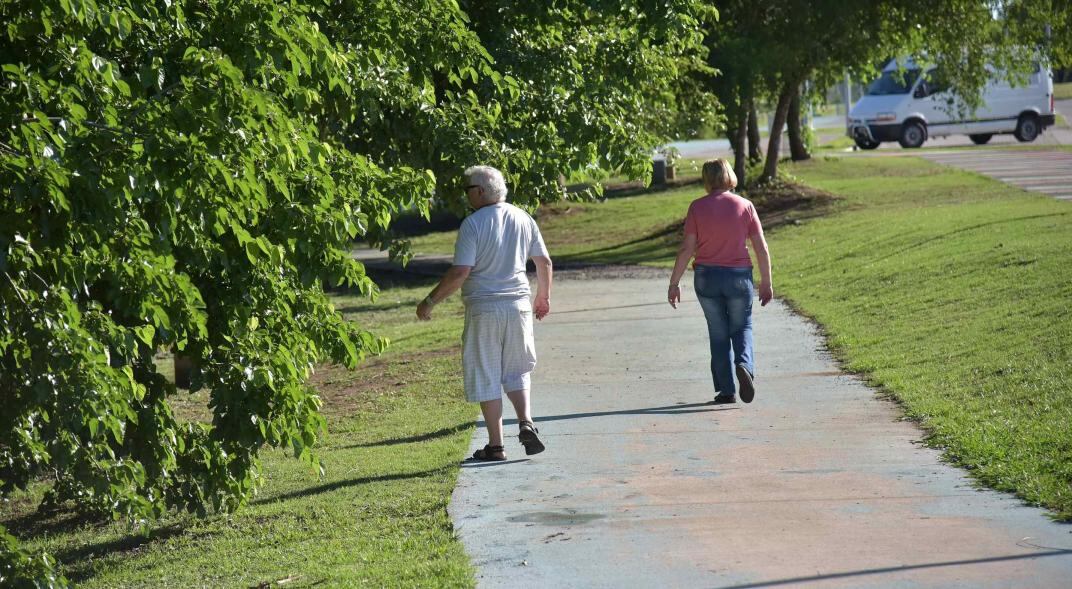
column 1046, row 172
column 711, row 148
column 644, row 484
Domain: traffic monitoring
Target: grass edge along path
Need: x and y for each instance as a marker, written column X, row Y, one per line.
column 398, row 429
column 949, row 292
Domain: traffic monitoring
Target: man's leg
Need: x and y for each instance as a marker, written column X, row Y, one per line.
column 520, row 399
column 481, row 351
column 527, row 432
column 519, row 360
column 492, row 411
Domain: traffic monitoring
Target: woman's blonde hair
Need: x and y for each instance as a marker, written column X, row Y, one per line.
column 718, row 175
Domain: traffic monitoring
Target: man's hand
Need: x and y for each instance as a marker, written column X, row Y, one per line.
column 541, row 306
column 424, row 310
column 766, row 293
column 673, row 295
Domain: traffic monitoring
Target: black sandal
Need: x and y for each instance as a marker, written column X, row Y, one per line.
column 490, row 452
column 528, row 438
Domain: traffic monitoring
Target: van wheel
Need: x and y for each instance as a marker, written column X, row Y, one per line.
column 913, row 134
column 1027, row 128
column 981, row 139
column 864, row 143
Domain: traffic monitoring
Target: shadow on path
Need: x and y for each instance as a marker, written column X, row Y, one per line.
column 600, row 309
column 474, row 463
column 664, row 410
column 896, row 569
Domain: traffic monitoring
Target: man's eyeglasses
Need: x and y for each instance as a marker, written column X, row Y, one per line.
column 471, row 186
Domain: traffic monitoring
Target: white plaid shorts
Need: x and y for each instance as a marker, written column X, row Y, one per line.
column 498, row 350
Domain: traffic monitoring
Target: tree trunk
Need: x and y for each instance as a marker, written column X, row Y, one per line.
column 732, row 134
column 797, row 149
column 740, row 153
column 755, row 150
column 770, row 168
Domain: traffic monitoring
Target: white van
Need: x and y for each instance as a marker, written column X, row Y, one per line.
column 907, row 107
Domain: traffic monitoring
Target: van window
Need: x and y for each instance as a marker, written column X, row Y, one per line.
column 893, row 82
column 934, row 82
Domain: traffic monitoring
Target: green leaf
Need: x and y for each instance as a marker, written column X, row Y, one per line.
column 145, row 333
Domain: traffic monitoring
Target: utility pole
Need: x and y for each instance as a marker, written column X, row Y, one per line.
column 848, row 103
column 848, row 95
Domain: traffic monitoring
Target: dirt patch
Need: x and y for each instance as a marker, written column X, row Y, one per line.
column 638, row 187
column 788, row 203
column 560, row 209
column 346, row 392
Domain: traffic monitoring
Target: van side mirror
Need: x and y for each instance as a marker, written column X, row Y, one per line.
column 920, row 91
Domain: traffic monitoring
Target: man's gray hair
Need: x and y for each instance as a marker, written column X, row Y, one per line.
column 490, row 179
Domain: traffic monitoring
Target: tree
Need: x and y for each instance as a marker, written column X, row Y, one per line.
column 736, row 55
column 755, row 152
column 797, row 148
column 189, row 175
column 791, row 41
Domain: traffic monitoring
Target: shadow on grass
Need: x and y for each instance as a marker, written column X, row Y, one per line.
column 948, row 234
column 79, row 561
column 439, row 433
column 372, row 307
column 328, row 487
column 50, row 522
column 921, row 242
column 647, row 248
column 419, row 273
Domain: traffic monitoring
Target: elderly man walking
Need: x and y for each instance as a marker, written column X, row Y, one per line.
column 498, row 351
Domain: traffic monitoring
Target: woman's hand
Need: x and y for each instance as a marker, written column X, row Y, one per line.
column 766, row 293
column 673, row 295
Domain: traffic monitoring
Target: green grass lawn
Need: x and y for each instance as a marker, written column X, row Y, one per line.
column 1062, row 91
column 947, row 290
column 840, row 143
column 950, row 291
column 398, row 429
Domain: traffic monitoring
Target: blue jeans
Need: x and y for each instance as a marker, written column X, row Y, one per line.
column 726, row 297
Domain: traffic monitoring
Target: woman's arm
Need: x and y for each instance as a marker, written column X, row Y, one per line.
column 684, row 255
column 766, row 286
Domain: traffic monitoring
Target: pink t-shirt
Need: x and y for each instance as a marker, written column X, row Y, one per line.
column 721, row 221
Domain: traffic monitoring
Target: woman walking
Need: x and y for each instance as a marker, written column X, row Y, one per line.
column 716, row 230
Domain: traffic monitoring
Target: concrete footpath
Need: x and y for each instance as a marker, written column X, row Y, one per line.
column 645, row 484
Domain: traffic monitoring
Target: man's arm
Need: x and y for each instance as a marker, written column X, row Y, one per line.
column 451, row 281
column 766, row 286
column 684, row 254
column 542, row 305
